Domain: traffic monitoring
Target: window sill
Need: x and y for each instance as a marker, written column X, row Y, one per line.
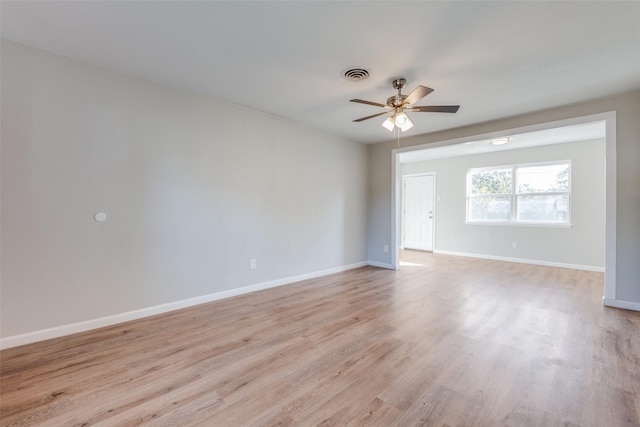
column 519, row 224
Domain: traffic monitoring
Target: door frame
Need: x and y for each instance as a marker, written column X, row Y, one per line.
column 609, row 118
column 433, row 203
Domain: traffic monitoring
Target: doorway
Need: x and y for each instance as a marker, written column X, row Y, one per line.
column 609, row 119
column 418, row 193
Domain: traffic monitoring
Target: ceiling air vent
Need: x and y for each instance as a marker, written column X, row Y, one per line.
column 356, row 74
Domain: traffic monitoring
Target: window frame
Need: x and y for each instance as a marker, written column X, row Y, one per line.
column 514, row 195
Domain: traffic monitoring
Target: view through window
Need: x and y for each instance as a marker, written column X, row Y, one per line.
column 527, row 194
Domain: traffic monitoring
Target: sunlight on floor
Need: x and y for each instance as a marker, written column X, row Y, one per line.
column 413, row 258
column 410, row 264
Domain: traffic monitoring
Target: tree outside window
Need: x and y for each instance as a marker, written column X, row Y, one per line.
column 533, row 193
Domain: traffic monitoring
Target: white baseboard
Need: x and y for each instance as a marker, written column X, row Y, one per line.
column 627, row 305
column 381, row 265
column 72, row 328
column 524, row 261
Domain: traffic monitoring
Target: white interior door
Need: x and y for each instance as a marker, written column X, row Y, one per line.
column 418, row 212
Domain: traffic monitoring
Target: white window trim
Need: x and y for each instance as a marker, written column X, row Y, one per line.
column 513, row 220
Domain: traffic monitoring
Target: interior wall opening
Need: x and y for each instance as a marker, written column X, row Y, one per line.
column 594, row 128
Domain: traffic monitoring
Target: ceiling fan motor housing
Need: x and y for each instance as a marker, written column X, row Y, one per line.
column 396, row 100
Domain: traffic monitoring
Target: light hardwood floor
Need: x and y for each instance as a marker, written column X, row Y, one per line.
column 444, row 341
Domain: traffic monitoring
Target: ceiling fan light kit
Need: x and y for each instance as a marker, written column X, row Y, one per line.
column 389, row 124
column 403, row 121
column 398, row 104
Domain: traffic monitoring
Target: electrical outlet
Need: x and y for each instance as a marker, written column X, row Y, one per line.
column 386, row 248
column 253, row 264
column 514, row 245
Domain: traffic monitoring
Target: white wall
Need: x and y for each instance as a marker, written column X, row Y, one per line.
column 193, row 189
column 627, row 220
column 582, row 245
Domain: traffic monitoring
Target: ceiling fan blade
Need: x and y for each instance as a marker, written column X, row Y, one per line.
column 370, row 117
column 376, row 104
column 436, row 109
column 417, row 94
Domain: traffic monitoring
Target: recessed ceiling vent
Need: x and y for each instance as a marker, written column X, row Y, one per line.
column 356, row 74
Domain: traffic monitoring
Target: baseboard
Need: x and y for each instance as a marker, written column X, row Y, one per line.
column 627, row 305
column 381, row 265
column 523, row 261
column 73, row 328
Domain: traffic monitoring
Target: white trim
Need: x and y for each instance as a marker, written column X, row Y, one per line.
column 395, row 208
column 521, row 224
column 515, row 194
column 87, row 325
column 611, row 206
column 381, row 265
column 524, row 261
column 627, row 305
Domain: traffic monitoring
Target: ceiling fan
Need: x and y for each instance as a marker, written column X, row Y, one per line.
column 399, row 104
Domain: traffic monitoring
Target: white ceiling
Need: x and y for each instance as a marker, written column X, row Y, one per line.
column 560, row 135
column 495, row 59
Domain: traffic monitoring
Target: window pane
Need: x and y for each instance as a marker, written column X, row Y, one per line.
column 489, row 208
column 491, row 181
column 553, row 208
column 543, row 179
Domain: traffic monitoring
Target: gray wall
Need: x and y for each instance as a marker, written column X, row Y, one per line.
column 627, row 107
column 193, row 189
column 582, row 245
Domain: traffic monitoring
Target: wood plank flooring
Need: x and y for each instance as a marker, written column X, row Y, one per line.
column 444, row 341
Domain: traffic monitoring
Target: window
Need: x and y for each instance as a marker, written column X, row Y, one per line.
column 527, row 194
